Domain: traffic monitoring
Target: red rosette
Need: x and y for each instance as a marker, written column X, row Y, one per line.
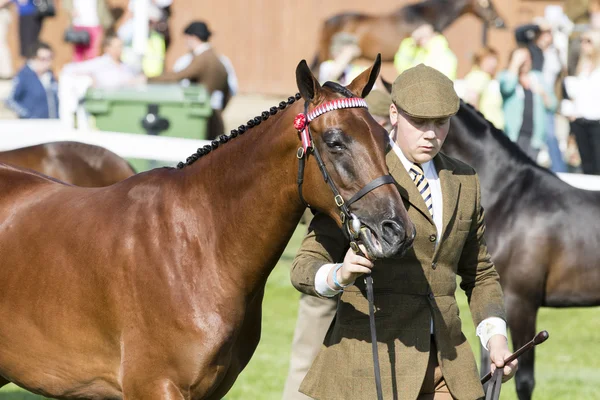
column 300, row 122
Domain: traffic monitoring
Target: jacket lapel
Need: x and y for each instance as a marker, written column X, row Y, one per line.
column 407, row 187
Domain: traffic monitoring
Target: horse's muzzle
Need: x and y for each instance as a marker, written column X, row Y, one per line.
column 389, row 239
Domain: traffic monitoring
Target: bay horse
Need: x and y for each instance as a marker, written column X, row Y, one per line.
column 79, row 164
column 152, row 288
column 540, row 231
column 383, row 33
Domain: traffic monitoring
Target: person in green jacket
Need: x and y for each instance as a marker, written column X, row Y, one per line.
column 426, row 46
column 526, row 99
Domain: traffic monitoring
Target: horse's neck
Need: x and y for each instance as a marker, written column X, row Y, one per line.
column 496, row 165
column 449, row 11
column 245, row 193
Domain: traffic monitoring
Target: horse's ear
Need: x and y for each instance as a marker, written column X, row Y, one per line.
column 387, row 85
column 308, row 85
column 362, row 84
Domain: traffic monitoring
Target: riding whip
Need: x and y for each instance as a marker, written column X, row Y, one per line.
column 493, row 390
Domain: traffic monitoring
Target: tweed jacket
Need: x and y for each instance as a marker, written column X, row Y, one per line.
column 409, row 292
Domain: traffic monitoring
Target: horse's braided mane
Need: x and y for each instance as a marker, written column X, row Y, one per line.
column 336, row 87
column 239, row 131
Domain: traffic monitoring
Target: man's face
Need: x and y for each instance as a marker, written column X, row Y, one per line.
column 192, row 41
column 419, row 139
column 43, row 60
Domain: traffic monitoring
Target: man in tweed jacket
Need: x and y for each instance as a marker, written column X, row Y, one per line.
column 422, row 351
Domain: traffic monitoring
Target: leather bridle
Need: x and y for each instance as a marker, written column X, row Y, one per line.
column 350, row 221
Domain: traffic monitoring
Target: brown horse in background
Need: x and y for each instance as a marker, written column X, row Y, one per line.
column 540, row 232
column 152, row 288
column 383, row 33
column 76, row 163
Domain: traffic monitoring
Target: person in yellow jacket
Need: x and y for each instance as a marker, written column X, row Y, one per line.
column 426, row 46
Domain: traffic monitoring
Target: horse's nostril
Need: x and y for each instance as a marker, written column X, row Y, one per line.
column 392, row 232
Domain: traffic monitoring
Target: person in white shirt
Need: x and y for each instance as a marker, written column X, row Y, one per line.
column 107, row 71
column 582, row 108
column 417, row 315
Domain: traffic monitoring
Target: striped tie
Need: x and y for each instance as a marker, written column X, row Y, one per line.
column 417, row 175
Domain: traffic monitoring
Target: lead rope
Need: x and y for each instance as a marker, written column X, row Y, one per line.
column 369, row 283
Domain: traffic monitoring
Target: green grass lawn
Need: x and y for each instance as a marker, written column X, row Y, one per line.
column 567, row 365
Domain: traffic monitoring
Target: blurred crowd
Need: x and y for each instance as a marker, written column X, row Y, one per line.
column 544, row 98
column 107, row 55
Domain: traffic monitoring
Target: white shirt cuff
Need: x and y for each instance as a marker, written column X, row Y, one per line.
column 321, row 285
column 490, row 327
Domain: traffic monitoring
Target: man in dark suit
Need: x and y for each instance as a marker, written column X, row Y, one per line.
column 207, row 69
column 423, row 352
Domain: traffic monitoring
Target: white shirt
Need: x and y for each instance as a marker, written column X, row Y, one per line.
column 489, row 326
column 105, row 72
column 87, row 13
column 583, row 90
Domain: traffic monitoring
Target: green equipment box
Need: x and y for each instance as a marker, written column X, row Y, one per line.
column 156, row 109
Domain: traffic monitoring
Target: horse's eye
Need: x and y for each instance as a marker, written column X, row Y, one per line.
column 335, row 145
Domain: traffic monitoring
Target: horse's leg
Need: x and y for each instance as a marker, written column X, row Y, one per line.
column 522, row 313
column 163, row 389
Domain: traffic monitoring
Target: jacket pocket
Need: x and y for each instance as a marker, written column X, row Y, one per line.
column 464, row 225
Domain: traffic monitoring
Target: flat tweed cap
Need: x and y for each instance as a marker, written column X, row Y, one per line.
column 424, row 92
column 379, row 103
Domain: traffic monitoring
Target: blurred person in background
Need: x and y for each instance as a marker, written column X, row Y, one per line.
column 30, row 25
column 538, row 38
column 107, row 71
column 583, row 109
column 526, row 101
column 205, row 68
column 379, row 107
column 6, row 70
column 341, row 68
column 482, row 90
column 92, row 16
column 35, row 90
column 152, row 62
column 429, row 47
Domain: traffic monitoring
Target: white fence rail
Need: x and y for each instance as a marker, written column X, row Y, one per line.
column 22, row 133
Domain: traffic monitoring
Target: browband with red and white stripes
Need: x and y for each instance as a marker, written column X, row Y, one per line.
column 302, row 120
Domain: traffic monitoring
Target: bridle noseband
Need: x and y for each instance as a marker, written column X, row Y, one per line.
column 350, row 221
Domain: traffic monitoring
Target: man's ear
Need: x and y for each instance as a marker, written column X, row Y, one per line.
column 393, row 114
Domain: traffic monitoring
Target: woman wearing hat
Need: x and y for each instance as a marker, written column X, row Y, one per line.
column 206, row 69
column 423, row 352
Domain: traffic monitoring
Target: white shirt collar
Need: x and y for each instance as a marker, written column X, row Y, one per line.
column 201, row 49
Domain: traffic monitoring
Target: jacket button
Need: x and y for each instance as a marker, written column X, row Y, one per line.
column 431, row 295
column 432, row 238
column 434, row 265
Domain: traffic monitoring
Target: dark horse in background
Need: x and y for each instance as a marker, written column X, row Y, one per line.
column 542, row 233
column 76, row 163
column 152, row 288
column 383, row 33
